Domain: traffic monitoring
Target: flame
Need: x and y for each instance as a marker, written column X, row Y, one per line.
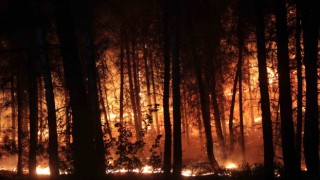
column 187, row 172
column 231, row 165
column 258, row 119
column 43, row 170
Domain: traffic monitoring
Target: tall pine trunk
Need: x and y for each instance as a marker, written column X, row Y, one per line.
column 310, row 26
column 83, row 145
column 299, row 79
column 291, row 164
column 177, row 145
column 33, row 107
column 166, row 91
column 264, row 92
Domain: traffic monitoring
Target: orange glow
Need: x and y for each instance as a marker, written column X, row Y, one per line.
column 231, row 165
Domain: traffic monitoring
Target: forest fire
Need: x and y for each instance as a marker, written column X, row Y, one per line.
column 97, row 88
column 231, row 165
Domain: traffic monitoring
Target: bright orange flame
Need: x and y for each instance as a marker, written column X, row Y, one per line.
column 43, row 170
column 231, row 165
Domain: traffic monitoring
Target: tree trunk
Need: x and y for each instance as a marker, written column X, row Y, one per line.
column 13, row 114
column 264, row 92
column 22, row 134
column 240, row 49
column 203, row 92
column 33, row 107
column 104, row 111
column 299, row 79
column 136, row 81
column 217, row 118
column 166, row 91
column 310, row 25
column 83, row 154
column 84, row 12
column 52, row 119
column 287, row 130
column 233, row 100
column 177, row 145
column 132, row 93
column 121, row 80
column 155, row 96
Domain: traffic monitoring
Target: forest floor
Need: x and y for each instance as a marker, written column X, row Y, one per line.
column 239, row 175
column 135, row 176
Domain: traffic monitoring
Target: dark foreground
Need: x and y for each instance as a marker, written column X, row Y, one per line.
column 10, row 175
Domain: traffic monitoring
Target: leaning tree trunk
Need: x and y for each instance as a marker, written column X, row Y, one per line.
column 291, row 164
column 233, row 100
column 203, row 92
column 166, row 91
column 310, row 25
column 264, row 92
column 52, row 119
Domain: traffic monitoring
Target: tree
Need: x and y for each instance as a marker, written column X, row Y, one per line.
column 264, row 91
column 83, row 152
column 299, row 79
column 287, row 130
column 310, row 26
column 177, row 146
column 166, row 91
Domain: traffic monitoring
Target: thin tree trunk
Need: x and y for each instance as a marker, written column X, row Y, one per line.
column 217, row 118
column 264, row 93
column 121, row 80
column 132, row 93
column 68, row 121
column 177, row 145
column 310, row 25
column 136, row 81
column 166, row 91
column 204, row 94
column 52, row 119
column 299, row 79
column 287, row 130
column 104, row 111
column 33, row 109
column 250, row 96
column 21, row 113
column 242, row 143
column 40, row 92
column 233, row 100
column 155, row 95
column 13, row 114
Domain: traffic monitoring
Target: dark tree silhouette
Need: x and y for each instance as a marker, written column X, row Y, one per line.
column 310, row 26
column 264, row 92
column 287, row 130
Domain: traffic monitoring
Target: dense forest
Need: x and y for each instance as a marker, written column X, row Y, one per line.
column 93, row 88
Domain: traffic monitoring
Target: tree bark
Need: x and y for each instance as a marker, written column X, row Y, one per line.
column 177, row 145
column 166, row 91
column 287, row 130
column 233, row 99
column 264, row 92
column 310, row 26
column 83, row 154
column 299, row 79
